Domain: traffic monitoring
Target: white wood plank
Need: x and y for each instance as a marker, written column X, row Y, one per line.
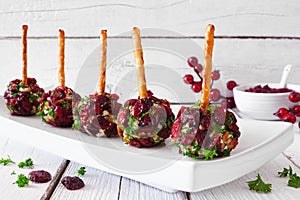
column 238, row 189
column 133, row 190
column 242, row 60
column 292, row 152
column 85, row 18
column 98, row 185
column 18, row 153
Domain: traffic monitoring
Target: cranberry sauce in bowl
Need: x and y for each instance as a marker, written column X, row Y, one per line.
column 261, row 101
column 267, row 89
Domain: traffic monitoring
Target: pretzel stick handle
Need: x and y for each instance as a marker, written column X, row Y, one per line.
column 24, row 54
column 103, row 38
column 139, row 61
column 208, row 49
column 61, row 56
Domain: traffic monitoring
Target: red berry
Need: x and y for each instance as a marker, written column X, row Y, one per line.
column 192, row 61
column 231, row 84
column 281, row 112
column 215, row 75
column 298, row 124
column 197, row 86
column 188, row 79
column 198, row 68
column 289, row 117
column 296, row 110
column 215, row 94
column 294, row 97
column 228, row 102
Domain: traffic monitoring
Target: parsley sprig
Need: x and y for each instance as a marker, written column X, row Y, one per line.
column 294, row 180
column 27, row 163
column 6, row 161
column 259, row 185
column 81, row 171
column 22, row 180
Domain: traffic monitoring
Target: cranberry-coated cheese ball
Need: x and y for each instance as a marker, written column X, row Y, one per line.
column 96, row 115
column 23, row 99
column 145, row 122
column 56, row 106
column 205, row 133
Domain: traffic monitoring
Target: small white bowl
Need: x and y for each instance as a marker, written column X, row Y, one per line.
column 262, row 106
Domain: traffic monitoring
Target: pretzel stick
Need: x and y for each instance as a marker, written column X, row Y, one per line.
column 139, row 61
column 24, row 54
column 209, row 44
column 103, row 37
column 61, row 54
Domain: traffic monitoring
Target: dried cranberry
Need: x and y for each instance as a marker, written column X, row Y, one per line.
column 165, row 133
column 40, row 176
column 72, row 183
column 135, row 143
column 200, row 137
column 130, row 102
column 147, row 142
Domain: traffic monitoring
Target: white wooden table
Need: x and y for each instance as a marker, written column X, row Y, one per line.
column 254, row 41
column 102, row 185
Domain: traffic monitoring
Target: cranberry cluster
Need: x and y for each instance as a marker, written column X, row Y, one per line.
column 145, row 122
column 56, row 106
column 23, row 99
column 267, row 89
column 197, row 130
column 196, row 86
column 291, row 114
column 96, row 115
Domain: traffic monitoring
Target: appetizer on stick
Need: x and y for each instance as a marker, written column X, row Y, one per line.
column 205, row 130
column 22, row 96
column 146, row 121
column 56, row 105
column 96, row 114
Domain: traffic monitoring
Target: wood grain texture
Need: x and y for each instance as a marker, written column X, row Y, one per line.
column 132, row 190
column 238, row 189
column 235, row 18
column 98, row 185
column 19, row 153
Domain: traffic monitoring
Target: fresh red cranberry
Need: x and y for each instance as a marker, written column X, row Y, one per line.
column 215, row 75
column 281, row 112
column 188, row 79
column 215, row 94
column 72, row 183
column 231, row 84
column 294, row 97
column 296, row 110
column 289, row 117
column 197, row 86
column 192, row 61
column 40, row 176
column 198, row 68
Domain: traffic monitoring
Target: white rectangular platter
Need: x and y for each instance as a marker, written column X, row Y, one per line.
column 162, row 166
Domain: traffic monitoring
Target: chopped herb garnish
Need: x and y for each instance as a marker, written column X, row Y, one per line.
column 81, row 171
column 6, row 161
column 294, row 181
column 209, row 154
column 28, row 163
column 286, row 172
column 13, row 173
column 259, row 186
column 64, row 104
column 22, row 180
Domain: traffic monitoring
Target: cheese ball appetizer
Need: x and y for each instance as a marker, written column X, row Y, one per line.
column 205, row 131
column 56, row 105
column 146, row 121
column 22, row 96
column 96, row 114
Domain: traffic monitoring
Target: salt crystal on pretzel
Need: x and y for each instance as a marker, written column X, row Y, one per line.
column 138, row 55
column 208, row 49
